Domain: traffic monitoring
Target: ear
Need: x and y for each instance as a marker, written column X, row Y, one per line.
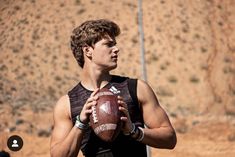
column 87, row 51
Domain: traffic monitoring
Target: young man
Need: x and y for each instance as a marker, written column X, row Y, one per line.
column 94, row 47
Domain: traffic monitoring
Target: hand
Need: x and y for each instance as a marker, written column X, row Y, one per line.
column 86, row 110
column 127, row 127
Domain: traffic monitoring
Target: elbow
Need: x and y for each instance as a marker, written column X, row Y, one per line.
column 167, row 142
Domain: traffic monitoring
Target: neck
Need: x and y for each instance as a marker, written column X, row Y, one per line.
column 93, row 78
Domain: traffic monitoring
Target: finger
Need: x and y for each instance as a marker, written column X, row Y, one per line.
column 124, row 119
column 120, row 98
column 88, row 105
column 88, row 112
column 92, row 98
column 95, row 92
column 124, row 110
column 84, row 115
column 122, row 103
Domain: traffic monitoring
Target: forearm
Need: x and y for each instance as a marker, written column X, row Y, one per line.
column 163, row 137
column 70, row 146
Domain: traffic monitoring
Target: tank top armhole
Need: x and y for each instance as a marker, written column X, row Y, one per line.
column 132, row 86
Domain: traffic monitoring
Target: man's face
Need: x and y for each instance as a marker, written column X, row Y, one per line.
column 105, row 53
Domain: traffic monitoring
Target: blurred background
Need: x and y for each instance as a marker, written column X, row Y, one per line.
column 190, row 62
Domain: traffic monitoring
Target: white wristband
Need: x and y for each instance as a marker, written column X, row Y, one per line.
column 80, row 124
column 140, row 138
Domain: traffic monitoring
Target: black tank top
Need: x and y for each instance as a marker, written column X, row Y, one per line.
column 122, row 146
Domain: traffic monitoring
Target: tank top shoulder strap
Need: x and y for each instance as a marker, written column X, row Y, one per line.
column 132, row 86
column 77, row 96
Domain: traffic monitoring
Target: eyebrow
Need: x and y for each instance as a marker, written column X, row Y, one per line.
column 110, row 42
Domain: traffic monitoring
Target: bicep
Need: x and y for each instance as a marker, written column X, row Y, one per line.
column 153, row 114
column 62, row 121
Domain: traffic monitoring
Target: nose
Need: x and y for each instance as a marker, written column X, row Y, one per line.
column 115, row 49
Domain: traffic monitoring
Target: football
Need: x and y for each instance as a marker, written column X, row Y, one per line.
column 105, row 118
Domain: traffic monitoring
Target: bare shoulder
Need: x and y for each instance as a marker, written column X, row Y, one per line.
column 62, row 120
column 153, row 113
column 145, row 93
column 62, row 107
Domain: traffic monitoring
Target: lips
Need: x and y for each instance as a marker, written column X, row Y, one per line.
column 114, row 57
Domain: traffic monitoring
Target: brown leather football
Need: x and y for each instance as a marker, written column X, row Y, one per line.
column 105, row 117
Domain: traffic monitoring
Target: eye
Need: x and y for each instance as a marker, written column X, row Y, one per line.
column 111, row 44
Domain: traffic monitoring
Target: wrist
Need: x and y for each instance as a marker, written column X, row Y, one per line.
column 140, row 137
column 131, row 132
column 138, row 134
column 81, row 125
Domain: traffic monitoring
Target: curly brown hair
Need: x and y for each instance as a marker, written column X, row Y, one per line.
column 89, row 33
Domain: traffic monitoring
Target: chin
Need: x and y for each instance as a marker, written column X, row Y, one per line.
column 112, row 67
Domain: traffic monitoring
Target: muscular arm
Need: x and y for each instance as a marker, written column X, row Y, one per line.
column 66, row 138
column 159, row 132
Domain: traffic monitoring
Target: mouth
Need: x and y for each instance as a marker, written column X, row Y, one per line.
column 115, row 57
